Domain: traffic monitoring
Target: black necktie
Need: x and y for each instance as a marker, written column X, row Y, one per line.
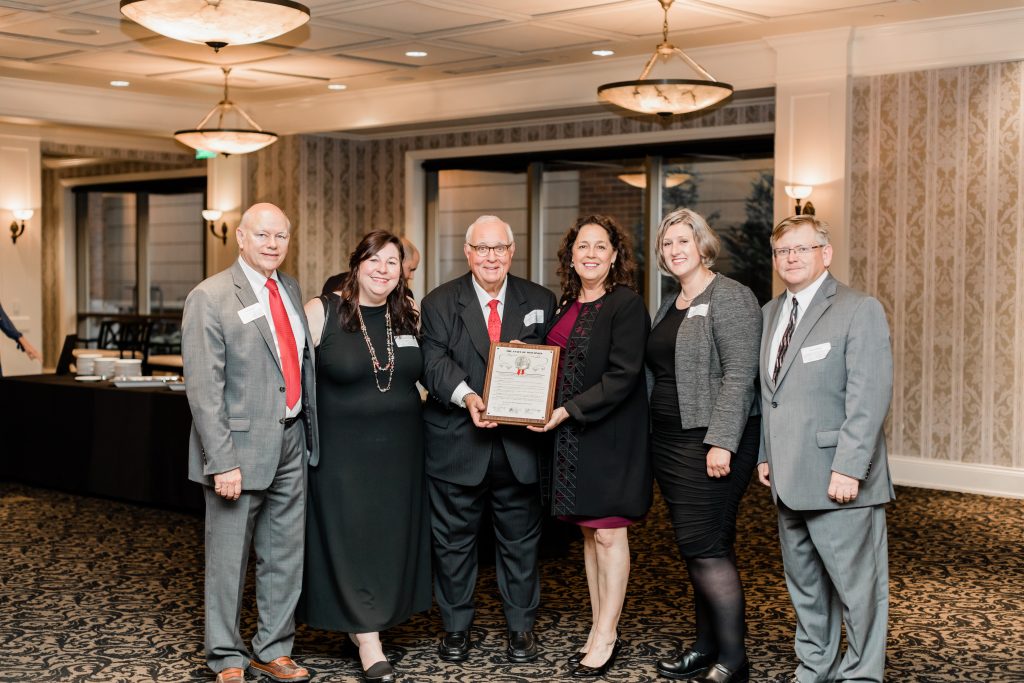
column 784, row 343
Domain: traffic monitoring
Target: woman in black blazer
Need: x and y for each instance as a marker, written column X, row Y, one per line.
column 702, row 358
column 601, row 473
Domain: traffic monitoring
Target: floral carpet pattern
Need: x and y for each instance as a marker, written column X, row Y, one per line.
column 97, row 591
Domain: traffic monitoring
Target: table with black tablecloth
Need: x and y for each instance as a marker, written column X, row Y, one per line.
column 96, row 439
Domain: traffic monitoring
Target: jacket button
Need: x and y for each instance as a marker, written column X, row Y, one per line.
column 281, row 389
column 281, row 420
column 775, row 404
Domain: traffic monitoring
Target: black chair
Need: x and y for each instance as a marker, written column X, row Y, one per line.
column 67, row 355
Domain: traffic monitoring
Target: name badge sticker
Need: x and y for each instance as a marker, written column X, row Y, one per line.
column 809, row 354
column 698, row 310
column 250, row 313
column 534, row 317
column 406, row 340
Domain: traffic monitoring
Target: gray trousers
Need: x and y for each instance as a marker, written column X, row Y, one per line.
column 837, row 572
column 273, row 522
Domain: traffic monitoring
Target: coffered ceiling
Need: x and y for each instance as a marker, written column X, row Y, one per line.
column 364, row 44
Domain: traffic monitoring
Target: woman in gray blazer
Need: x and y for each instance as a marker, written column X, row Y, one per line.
column 702, row 360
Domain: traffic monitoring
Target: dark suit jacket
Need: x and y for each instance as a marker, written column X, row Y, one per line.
column 333, row 283
column 613, row 469
column 455, row 349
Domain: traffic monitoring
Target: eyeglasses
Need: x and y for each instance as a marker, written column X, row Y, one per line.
column 483, row 249
column 783, row 252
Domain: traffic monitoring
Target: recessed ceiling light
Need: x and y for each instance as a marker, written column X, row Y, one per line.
column 602, row 53
column 336, row 86
column 79, row 31
column 415, row 53
column 120, row 84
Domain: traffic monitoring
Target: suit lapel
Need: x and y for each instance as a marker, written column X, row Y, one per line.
column 819, row 304
column 243, row 290
column 515, row 310
column 473, row 317
column 774, row 309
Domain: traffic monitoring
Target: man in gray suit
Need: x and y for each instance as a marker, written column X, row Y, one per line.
column 472, row 462
column 826, row 384
column 250, row 383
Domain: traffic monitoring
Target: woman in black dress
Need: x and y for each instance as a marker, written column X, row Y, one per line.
column 601, row 473
column 702, row 359
column 367, row 539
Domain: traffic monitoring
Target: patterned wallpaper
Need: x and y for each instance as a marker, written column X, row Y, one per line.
column 335, row 190
column 937, row 216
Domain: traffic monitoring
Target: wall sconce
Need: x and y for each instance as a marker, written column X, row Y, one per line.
column 212, row 216
column 799, row 192
column 16, row 229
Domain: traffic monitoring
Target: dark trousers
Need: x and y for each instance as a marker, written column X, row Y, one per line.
column 455, row 521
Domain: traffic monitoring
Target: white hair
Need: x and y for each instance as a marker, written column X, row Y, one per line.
column 489, row 219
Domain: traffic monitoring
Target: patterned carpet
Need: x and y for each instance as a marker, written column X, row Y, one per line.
column 92, row 590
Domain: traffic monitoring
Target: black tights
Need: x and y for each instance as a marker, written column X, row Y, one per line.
column 720, row 609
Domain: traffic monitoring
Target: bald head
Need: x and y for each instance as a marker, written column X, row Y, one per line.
column 263, row 235
column 411, row 261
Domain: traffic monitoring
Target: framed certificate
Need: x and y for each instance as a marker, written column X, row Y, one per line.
column 520, row 384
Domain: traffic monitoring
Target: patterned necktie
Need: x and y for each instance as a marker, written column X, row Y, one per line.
column 784, row 343
column 286, row 345
column 493, row 321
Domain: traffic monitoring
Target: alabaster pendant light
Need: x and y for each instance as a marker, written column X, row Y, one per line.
column 225, row 138
column 217, row 23
column 666, row 97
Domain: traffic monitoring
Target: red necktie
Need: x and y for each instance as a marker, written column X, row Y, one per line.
column 286, row 345
column 493, row 321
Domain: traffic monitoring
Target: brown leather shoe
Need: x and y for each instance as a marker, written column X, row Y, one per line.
column 282, row 669
column 232, row 675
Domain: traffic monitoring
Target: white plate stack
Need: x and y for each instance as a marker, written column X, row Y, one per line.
column 104, row 367
column 85, row 363
column 128, row 367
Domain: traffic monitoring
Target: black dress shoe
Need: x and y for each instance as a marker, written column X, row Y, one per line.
column 686, row 664
column 381, row 672
column 584, row 671
column 454, row 646
column 719, row 674
column 522, row 647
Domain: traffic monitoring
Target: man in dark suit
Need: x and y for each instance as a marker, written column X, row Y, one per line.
column 249, row 374
column 826, row 384
column 472, row 462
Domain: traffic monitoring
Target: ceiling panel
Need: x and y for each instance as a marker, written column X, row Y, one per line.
column 647, row 19
column 410, row 17
column 321, row 66
column 118, row 64
column 12, row 48
column 524, row 38
column 241, row 79
column 541, row 7
column 234, row 54
column 396, row 54
column 315, row 36
column 781, row 8
column 80, row 32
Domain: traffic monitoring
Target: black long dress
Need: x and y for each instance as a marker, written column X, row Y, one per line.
column 367, row 535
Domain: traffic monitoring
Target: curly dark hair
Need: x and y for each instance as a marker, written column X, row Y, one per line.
column 621, row 271
column 404, row 317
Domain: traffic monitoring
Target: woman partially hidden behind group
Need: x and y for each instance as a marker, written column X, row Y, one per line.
column 702, row 356
column 601, row 474
column 367, row 540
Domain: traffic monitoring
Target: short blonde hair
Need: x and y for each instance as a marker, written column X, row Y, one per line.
column 708, row 244
column 793, row 222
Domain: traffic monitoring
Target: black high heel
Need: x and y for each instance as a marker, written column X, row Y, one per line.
column 576, row 657
column 584, row 671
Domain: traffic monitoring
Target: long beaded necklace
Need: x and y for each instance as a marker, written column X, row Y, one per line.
column 377, row 367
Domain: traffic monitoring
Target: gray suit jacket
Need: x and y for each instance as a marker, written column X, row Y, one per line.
column 827, row 414
column 716, row 362
column 234, row 382
column 455, row 349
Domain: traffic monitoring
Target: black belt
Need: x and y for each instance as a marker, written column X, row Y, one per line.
column 289, row 421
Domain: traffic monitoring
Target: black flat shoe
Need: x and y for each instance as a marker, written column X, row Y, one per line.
column 719, row 674
column 685, row 664
column 522, row 647
column 584, row 671
column 454, row 646
column 381, row 672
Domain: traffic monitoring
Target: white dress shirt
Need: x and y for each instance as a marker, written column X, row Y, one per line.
column 463, row 390
column 803, row 299
column 259, row 288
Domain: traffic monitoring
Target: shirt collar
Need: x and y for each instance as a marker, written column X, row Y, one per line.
column 256, row 279
column 484, row 297
column 806, row 295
